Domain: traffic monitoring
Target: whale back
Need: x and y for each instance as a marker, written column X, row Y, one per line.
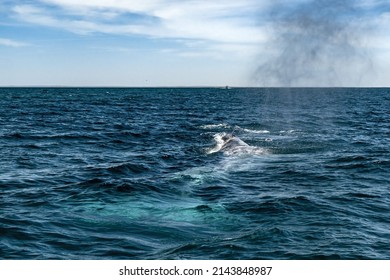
column 233, row 142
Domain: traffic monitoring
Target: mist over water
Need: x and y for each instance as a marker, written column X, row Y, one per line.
column 315, row 43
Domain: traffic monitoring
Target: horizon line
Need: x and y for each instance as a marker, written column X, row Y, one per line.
column 200, row 86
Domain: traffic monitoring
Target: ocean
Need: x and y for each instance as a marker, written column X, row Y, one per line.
column 194, row 173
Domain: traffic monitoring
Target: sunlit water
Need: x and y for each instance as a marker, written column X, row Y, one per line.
column 143, row 173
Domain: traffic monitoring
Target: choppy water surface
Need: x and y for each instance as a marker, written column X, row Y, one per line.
column 144, row 173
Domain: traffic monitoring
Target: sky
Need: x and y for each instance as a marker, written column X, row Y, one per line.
column 195, row 43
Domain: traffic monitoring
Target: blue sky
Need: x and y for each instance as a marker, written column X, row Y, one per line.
column 181, row 43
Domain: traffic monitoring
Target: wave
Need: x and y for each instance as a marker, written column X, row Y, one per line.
column 212, row 126
column 30, row 136
column 234, row 128
column 254, row 130
column 122, row 168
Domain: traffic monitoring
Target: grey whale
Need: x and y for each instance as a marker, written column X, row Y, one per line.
column 232, row 145
column 231, row 142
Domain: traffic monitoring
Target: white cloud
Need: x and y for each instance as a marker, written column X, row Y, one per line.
column 226, row 22
column 11, row 43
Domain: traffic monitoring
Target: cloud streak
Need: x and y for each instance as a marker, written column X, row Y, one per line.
column 225, row 23
column 12, row 43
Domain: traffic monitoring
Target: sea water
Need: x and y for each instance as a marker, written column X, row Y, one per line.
column 141, row 173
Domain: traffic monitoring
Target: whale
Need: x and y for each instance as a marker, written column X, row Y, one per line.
column 231, row 142
column 232, row 145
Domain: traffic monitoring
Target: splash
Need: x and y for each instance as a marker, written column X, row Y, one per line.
column 218, row 143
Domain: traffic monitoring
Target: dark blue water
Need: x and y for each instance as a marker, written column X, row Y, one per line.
column 142, row 174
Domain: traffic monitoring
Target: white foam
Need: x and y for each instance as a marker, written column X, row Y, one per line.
column 245, row 151
column 254, row 131
column 287, row 131
column 218, row 143
column 212, row 126
column 236, row 127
